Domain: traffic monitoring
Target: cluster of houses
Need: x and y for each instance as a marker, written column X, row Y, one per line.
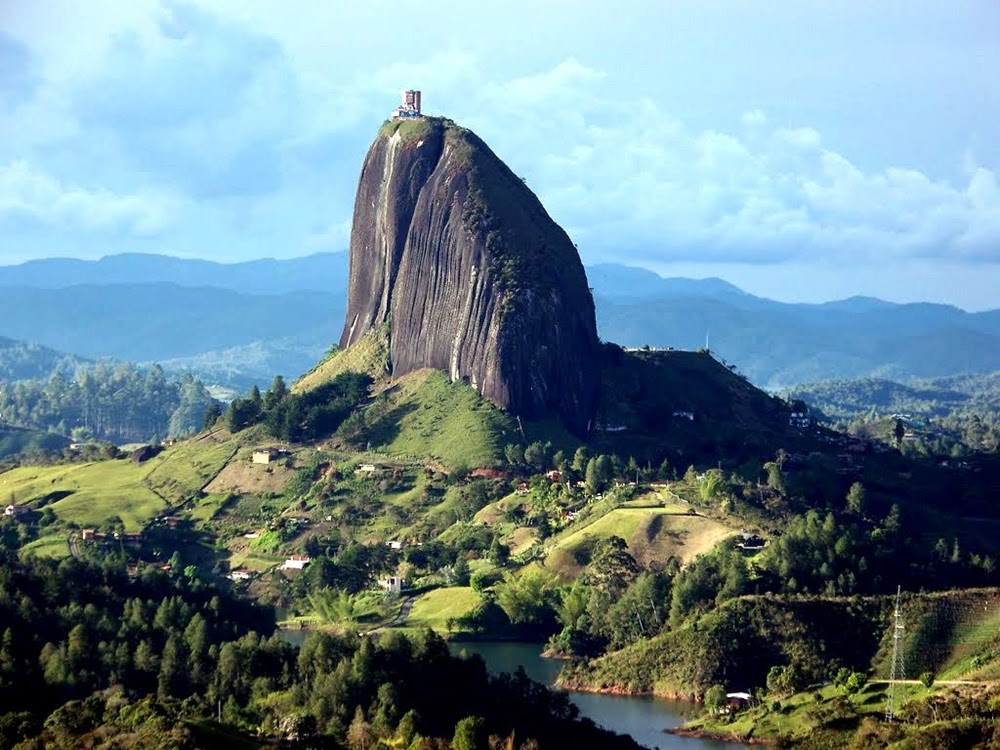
column 799, row 420
column 128, row 538
column 390, row 584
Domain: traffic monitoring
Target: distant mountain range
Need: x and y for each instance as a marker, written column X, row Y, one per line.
column 244, row 322
column 323, row 272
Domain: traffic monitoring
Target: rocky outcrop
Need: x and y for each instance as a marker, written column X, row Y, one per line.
column 458, row 258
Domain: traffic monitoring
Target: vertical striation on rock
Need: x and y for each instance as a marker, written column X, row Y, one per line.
column 458, row 258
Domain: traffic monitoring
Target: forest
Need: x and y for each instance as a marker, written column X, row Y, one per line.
column 121, row 403
column 82, row 641
column 952, row 416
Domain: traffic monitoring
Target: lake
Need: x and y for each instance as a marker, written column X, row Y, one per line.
column 642, row 717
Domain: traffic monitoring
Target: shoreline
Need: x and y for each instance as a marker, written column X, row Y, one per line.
column 683, row 697
column 705, row 734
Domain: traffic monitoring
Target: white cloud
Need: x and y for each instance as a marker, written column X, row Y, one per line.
column 754, row 118
column 632, row 182
column 29, row 194
column 199, row 126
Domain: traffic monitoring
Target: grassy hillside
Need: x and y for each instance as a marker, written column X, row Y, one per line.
column 435, row 608
column 954, row 635
column 92, row 493
column 425, row 415
column 369, row 355
column 656, row 402
column 653, row 535
column 421, row 416
column 738, row 642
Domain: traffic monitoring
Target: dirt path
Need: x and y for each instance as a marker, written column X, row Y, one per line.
column 400, row 618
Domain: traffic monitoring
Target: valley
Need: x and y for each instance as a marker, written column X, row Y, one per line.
column 473, row 463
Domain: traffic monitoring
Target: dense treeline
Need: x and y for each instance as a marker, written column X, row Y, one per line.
column 81, row 644
column 20, row 360
column 942, row 416
column 300, row 416
column 121, row 404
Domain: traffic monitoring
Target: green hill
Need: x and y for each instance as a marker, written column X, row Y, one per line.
column 656, row 402
column 422, row 416
column 92, row 493
column 952, row 634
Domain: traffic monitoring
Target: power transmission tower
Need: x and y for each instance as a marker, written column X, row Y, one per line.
column 898, row 671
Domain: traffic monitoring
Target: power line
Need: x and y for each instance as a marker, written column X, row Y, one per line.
column 898, row 672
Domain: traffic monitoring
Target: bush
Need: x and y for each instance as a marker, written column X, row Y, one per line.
column 715, row 699
column 484, row 579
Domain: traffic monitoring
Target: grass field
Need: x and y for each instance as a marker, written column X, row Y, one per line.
column 47, row 546
column 433, row 418
column 207, row 507
column 243, row 476
column 433, row 609
column 370, row 355
column 180, row 471
column 954, row 635
column 252, row 560
column 89, row 494
column 652, row 534
column 802, row 714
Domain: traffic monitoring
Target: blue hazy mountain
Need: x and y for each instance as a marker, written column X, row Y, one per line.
column 319, row 272
column 233, row 322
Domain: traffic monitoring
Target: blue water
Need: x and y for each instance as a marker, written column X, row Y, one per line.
column 642, row 717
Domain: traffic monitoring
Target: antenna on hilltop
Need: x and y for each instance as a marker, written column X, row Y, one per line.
column 898, row 672
column 707, row 331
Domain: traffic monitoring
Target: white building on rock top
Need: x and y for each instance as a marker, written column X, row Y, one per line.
column 410, row 108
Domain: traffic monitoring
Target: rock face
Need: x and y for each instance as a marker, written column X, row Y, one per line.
column 458, row 258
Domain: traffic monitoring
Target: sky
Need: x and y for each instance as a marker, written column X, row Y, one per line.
column 803, row 151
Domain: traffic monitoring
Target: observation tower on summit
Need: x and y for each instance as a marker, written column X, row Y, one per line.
column 410, row 107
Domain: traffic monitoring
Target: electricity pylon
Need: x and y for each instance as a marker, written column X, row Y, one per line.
column 898, row 671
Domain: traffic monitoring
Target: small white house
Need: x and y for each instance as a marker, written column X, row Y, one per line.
column 394, row 545
column 13, row 511
column 241, row 574
column 267, row 455
column 296, row 562
column 391, row 584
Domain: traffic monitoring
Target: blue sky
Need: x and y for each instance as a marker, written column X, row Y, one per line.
column 804, row 151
